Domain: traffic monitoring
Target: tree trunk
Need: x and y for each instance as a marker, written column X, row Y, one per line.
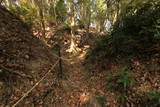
column 42, row 22
column 88, row 25
column 89, row 21
column 55, row 15
column 72, row 45
column 72, row 48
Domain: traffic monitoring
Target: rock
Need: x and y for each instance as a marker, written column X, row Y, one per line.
column 27, row 56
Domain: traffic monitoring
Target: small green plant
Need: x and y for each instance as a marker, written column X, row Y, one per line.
column 157, row 35
column 125, row 68
column 122, row 98
column 122, row 73
column 101, row 99
column 66, row 25
column 155, row 98
column 124, row 79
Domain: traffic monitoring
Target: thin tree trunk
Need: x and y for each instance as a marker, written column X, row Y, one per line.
column 117, row 13
column 88, row 25
column 115, row 17
column 55, row 15
column 1, row 2
column 72, row 19
column 89, row 22
column 42, row 22
column 72, row 45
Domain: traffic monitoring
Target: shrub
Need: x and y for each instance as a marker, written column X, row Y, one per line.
column 101, row 99
column 121, row 80
column 155, row 98
column 122, row 97
column 136, row 30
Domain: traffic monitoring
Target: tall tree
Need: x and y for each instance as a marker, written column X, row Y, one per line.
column 71, row 7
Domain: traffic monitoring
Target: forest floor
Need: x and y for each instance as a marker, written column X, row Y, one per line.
column 77, row 86
column 24, row 60
column 86, row 88
column 77, row 89
column 83, row 85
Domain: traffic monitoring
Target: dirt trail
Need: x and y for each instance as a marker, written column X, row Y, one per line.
column 77, row 86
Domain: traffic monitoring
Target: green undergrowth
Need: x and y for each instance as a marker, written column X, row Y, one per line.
column 122, row 80
column 134, row 35
column 154, row 98
column 136, row 31
column 101, row 99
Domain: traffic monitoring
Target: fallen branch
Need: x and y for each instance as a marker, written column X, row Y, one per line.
column 26, row 94
column 15, row 72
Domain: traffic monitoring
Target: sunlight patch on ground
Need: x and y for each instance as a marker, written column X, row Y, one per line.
column 83, row 54
column 84, row 98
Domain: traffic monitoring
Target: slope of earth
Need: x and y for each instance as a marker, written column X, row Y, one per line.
column 24, row 59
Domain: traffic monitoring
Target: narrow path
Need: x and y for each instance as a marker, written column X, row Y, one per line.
column 77, row 86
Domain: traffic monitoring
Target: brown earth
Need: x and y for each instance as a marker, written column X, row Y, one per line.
column 24, row 59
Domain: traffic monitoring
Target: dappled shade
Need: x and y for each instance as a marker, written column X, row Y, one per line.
column 80, row 53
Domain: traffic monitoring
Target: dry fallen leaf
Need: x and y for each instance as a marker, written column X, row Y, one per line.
column 84, row 98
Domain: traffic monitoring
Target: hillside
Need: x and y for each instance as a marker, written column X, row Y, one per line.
column 24, row 59
column 126, row 62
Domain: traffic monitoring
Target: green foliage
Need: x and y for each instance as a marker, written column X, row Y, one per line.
column 122, row 97
column 66, row 25
column 100, row 13
column 136, row 30
column 138, row 24
column 100, row 9
column 99, row 51
column 20, row 11
column 61, row 11
column 155, row 98
column 37, row 11
column 101, row 100
column 27, row 11
column 157, row 30
column 122, row 79
column 126, row 81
